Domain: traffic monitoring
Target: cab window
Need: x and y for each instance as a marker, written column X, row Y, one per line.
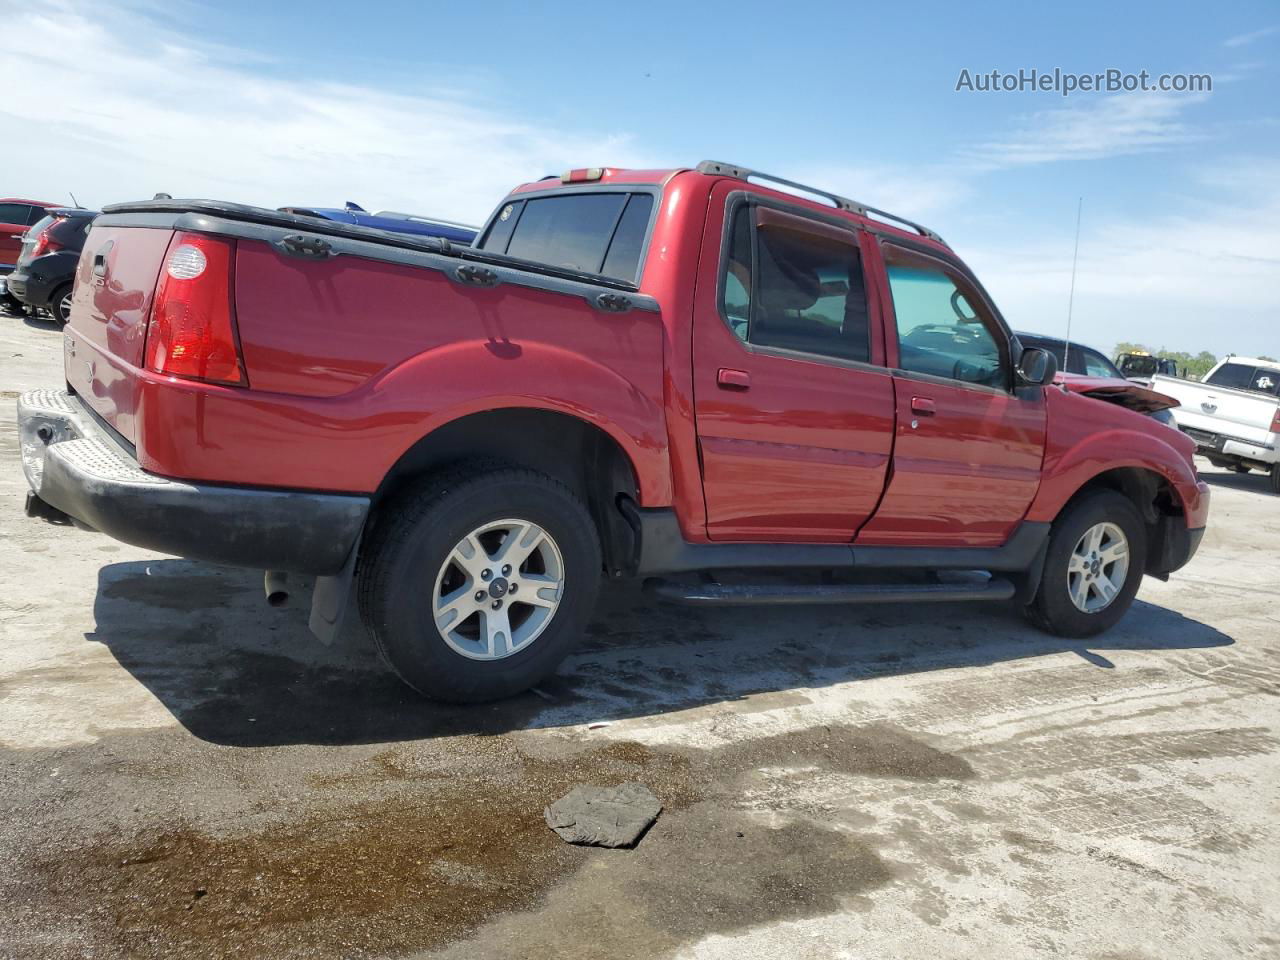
column 940, row 333
column 600, row 233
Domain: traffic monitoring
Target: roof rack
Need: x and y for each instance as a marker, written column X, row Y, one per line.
column 842, row 203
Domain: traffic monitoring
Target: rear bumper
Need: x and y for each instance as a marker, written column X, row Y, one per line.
column 35, row 282
column 74, row 463
column 16, row 285
column 1210, row 443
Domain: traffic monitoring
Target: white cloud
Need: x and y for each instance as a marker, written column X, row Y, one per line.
column 1244, row 39
column 128, row 108
column 919, row 193
column 1205, row 277
column 1111, row 126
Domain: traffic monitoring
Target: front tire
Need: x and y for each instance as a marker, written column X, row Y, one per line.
column 478, row 585
column 1094, row 565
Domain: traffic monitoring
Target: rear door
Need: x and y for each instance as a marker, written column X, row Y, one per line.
column 967, row 459
column 15, row 218
column 793, row 406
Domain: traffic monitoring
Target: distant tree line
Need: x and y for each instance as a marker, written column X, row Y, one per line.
column 1194, row 366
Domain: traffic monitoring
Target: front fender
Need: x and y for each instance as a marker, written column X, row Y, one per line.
column 1087, row 438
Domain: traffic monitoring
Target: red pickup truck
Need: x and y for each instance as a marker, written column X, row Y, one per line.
column 631, row 373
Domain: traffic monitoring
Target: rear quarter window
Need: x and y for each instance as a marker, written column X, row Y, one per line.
column 600, row 233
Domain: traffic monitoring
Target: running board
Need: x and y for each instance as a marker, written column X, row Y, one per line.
column 738, row 594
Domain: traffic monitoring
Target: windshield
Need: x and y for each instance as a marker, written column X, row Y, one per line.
column 1132, row 366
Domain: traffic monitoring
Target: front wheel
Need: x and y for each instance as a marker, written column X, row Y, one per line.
column 476, row 587
column 1095, row 562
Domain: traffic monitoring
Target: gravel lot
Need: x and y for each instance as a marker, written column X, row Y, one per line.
column 187, row 773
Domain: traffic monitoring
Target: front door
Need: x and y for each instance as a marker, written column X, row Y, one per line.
column 969, row 448
column 793, row 405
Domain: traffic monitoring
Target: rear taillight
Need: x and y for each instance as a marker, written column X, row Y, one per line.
column 192, row 331
column 45, row 243
column 1275, row 421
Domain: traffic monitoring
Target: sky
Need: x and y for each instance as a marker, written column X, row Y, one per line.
column 440, row 108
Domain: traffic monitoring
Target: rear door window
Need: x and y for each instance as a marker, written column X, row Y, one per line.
column 601, row 233
column 15, row 213
column 795, row 284
column 1095, row 364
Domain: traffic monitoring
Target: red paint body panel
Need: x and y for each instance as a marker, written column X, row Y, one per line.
column 110, row 310
column 803, row 452
column 351, row 361
column 11, row 232
column 963, row 475
column 1126, row 393
column 1088, row 437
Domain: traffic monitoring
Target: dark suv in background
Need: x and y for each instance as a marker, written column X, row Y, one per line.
column 46, row 264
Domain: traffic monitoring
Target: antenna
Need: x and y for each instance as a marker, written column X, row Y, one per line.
column 74, row 201
column 1075, row 256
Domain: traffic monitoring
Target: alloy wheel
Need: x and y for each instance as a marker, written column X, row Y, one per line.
column 1098, row 567
column 498, row 589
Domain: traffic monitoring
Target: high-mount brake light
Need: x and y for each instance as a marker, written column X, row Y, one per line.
column 582, row 175
column 192, row 331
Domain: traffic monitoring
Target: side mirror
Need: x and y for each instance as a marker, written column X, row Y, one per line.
column 1037, row 367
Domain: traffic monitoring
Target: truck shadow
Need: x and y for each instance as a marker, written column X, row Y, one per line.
column 1255, row 482
column 233, row 671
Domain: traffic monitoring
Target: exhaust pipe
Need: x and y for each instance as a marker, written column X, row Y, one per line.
column 276, row 586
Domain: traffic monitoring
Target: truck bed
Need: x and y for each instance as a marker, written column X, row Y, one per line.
column 355, row 343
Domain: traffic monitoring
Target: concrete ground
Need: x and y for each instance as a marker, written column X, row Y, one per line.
column 187, row 773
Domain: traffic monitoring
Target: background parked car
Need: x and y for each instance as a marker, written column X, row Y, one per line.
column 16, row 216
column 390, row 220
column 1141, row 367
column 1085, row 361
column 46, row 266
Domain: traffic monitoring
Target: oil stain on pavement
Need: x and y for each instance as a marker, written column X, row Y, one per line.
column 419, row 846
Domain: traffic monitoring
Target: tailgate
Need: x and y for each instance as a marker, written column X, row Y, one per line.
column 115, row 283
column 1233, row 413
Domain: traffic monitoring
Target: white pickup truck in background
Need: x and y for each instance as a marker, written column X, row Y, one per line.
column 1233, row 414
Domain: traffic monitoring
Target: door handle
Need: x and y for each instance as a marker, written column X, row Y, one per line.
column 729, row 379
column 924, row 406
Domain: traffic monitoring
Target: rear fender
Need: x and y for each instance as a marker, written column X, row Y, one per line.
column 473, row 377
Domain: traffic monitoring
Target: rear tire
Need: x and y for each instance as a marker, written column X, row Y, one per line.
column 1093, row 567
column 1275, row 478
column 449, row 615
column 60, row 305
